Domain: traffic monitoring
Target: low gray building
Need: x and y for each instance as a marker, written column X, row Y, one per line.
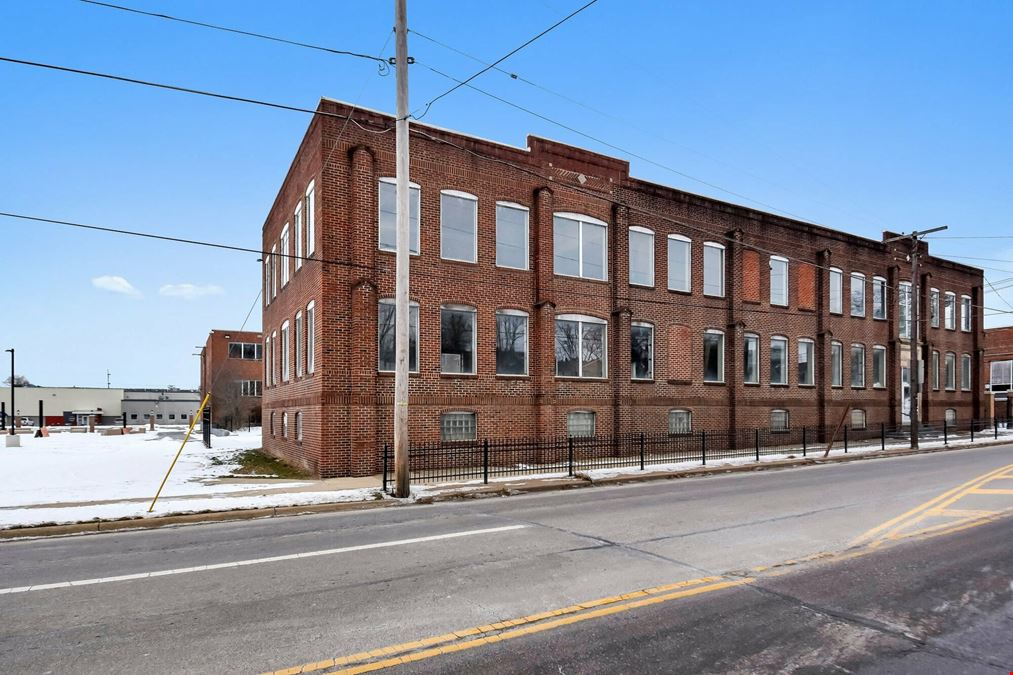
column 169, row 406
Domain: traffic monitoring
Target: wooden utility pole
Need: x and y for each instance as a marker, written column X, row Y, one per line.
column 914, row 372
column 401, row 311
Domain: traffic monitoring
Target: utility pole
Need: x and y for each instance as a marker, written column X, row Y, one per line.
column 914, row 372
column 401, row 311
column 107, row 378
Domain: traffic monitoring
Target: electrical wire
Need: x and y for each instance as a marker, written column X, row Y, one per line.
column 501, row 59
column 383, row 65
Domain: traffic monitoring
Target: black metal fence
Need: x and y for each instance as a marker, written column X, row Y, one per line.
column 482, row 459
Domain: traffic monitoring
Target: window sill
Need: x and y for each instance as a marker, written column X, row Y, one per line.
column 778, row 304
column 720, row 384
column 390, row 251
column 578, row 378
column 879, row 318
column 459, row 261
column 391, row 373
column 512, row 269
column 504, row 376
column 879, row 386
column 862, row 388
column 580, row 278
column 716, row 297
column 647, row 286
column 806, row 386
column 454, row 376
column 779, row 384
column 750, row 384
column 642, row 380
column 681, row 292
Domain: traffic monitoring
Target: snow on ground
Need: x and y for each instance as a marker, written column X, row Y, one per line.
column 81, row 467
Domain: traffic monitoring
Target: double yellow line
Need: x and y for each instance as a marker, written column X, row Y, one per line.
column 470, row 638
column 938, row 506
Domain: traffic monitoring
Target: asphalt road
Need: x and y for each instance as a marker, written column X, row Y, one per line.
column 397, row 575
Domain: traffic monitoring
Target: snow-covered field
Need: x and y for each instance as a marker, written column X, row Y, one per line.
column 71, row 477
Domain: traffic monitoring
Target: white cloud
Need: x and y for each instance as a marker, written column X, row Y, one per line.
column 190, row 291
column 115, row 284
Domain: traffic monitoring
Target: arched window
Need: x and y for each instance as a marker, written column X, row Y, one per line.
column 458, row 226
column 580, row 246
column 581, row 346
column 385, row 327
column 387, row 236
column 779, row 420
column 641, row 256
column 457, row 339
column 680, row 422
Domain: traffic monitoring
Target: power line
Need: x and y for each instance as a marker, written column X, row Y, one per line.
column 170, row 87
column 503, row 58
column 384, row 67
column 997, row 294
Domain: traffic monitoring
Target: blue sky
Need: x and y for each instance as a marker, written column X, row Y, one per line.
column 860, row 116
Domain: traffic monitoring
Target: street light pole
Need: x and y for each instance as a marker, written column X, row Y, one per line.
column 11, row 350
column 914, row 372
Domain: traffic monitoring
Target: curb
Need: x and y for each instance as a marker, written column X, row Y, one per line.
column 504, row 489
column 155, row 522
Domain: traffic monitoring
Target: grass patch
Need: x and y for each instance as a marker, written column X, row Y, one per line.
column 257, row 462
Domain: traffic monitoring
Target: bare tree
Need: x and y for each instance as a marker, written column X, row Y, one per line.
column 19, row 381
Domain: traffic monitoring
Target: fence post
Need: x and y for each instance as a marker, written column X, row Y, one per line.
column 485, row 461
column 641, row 451
column 995, row 421
column 972, row 431
column 845, row 439
column 757, row 444
column 804, row 441
column 385, row 467
column 703, row 447
column 882, row 436
column 946, row 437
column 569, row 453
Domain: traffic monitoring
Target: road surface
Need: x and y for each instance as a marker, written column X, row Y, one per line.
column 893, row 565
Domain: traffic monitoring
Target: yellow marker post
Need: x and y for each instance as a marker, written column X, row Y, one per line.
column 200, row 412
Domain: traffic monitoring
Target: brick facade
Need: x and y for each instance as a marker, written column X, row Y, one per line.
column 998, row 347
column 224, row 369
column 345, row 404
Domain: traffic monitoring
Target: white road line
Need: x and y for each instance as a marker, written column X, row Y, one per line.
column 256, row 561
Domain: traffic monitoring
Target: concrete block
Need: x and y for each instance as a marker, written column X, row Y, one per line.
column 12, row 441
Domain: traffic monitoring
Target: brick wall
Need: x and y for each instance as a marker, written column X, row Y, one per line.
column 346, row 405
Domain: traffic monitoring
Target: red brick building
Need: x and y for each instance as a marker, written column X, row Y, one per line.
column 553, row 293
column 997, row 370
column 232, row 367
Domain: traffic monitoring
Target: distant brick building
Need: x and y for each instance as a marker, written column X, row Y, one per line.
column 232, row 368
column 553, row 293
column 997, row 370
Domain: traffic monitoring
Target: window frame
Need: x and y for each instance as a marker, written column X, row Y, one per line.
column 864, row 424
column 688, row 266
column 286, row 344
column 836, row 376
column 581, row 220
column 721, row 355
column 284, row 244
column 298, row 426
column 965, row 313
column 714, row 246
column 905, row 313
column 838, row 297
column 467, row 196
column 284, row 424
column 934, row 307
column 412, row 305
column 879, row 352
column 274, row 271
column 851, row 362
column 753, row 338
column 787, row 373
column 650, row 375
column 467, row 309
column 297, row 230
column 298, row 342
column 470, row 414
column 879, row 293
column 950, row 366
column 311, row 337
column 781, row 260
column 414, row 190
column 580, row 320
column 527, row 234
column 594, row 423
column 689, row 417
column 778, row 429
column 311, row 218
column 966, row 371
column 641, row 231
column 935, row 370
column 527, row 340
column 950, row 416
column 851, row 294
column 811, row 364
column 274, row 358
column 950, row 318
